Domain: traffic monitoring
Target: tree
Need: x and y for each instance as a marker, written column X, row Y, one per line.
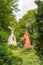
column 39, row 21
column 27, row 23
column 6, row 17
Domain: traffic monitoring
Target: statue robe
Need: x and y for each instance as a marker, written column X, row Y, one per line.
column 26, row 41
column 12, row 39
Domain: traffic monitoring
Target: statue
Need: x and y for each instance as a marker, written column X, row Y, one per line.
column 26, row 40
column 12, row 39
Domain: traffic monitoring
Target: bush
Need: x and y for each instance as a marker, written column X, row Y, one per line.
column 7, row 57
column 29, row 56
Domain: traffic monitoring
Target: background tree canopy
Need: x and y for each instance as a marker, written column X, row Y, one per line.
column 32, row 22
column 39, row 21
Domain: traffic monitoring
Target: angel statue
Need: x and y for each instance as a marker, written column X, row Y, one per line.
column 12, row 38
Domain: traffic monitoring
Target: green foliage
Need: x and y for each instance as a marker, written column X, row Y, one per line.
column 39, row 22
column 28, row 23
column 4, row 34
column 7, row 57
column 7, row 18
column 18, row 32
column 31, row 22
column 29, row 56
